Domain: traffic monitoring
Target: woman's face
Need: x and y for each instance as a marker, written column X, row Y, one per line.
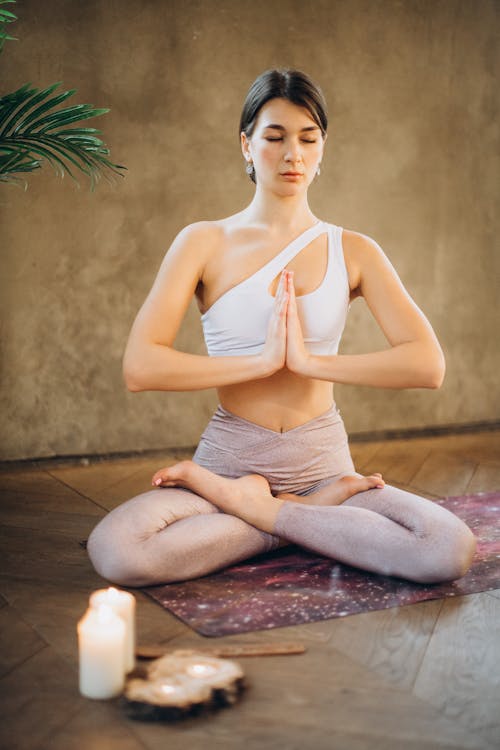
column 286, row 147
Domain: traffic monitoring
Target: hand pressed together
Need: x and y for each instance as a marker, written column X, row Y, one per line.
column 284, row 344
column 297, row 355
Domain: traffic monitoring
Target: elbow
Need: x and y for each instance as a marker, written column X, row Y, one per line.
column 143, row 372
column 133, row 376
column 133, row 386
column 132, row 381
column 435, row 372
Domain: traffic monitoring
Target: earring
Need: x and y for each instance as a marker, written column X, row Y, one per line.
column 249, row 167
column 318, row 171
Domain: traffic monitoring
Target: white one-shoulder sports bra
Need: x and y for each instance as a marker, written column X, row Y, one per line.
column 237, row 322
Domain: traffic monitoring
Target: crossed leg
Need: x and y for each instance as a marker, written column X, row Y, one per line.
column 176, row 534
column 386, row 531
column 168, row 535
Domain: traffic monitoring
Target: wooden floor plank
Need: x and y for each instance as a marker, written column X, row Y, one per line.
column 397, row 643
column 45, row 556
column 398, row 461
column 444, row 475
column 111, row 483
column 474, row 446
column 98, row 725
column 362, row 453
column 93, row 479
column 74, row 525
column 18, row 641
column 486, row 478
column 460, row 671
column 122, row 488
column 39, row 492
column 37, row 698
column 269, row 736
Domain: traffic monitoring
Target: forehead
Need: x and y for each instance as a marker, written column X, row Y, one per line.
column 284, row 112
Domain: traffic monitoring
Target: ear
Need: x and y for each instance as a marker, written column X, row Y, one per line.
column 245, row 145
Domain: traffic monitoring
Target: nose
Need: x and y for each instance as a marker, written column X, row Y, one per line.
column 293, row 152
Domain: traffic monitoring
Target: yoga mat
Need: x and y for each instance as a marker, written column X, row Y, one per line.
column 291, row 586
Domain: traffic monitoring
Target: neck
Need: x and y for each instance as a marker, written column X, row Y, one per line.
column 278, row 212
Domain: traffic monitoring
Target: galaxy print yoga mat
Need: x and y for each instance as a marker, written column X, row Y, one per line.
column 291, row 586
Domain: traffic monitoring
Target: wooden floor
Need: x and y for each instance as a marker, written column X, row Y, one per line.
column 422, row 676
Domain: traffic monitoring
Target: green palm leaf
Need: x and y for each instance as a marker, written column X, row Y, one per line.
column 6, row 17
column 30, row 126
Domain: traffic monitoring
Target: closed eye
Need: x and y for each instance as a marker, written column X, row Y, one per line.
column 304, row 140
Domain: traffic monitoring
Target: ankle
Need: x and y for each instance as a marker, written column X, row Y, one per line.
column 185, row 468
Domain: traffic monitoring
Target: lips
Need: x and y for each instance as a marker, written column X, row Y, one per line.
column 292, row 174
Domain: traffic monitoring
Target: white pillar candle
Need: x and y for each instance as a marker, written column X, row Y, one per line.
column 101, row 650
column 123, row 604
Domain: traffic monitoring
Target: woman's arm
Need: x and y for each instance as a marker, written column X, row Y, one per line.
column 151, row 363
column 414, row 359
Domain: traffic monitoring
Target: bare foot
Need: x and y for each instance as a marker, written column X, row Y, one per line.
column 248, row 497
column 337, row 492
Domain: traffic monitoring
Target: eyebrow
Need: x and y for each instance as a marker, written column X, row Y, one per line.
column 283, row 129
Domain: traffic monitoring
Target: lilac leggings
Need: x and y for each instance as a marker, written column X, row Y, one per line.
column 172, row 534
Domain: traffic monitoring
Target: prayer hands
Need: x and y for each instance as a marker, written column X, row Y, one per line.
column 284, row 344
column 274, row 352
column 296, row 352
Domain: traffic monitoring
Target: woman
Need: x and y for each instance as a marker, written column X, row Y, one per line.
column 274, row 283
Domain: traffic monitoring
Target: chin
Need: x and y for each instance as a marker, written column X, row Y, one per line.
column 291, row 188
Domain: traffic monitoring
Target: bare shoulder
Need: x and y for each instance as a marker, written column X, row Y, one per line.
column 197, row 240
column 360, row 253
column 359, row 247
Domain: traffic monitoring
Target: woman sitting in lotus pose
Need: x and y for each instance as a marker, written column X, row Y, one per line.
column 274, row 283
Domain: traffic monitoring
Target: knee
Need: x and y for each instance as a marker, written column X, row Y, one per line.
column 110, row 559
column 463, row 547
column 452, row 554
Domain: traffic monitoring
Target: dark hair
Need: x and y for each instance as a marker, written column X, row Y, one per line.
column 284, row 83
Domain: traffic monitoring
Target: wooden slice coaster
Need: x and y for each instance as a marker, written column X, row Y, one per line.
column 182, row 684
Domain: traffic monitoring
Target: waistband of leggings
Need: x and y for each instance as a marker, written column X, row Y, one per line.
column 328, row 418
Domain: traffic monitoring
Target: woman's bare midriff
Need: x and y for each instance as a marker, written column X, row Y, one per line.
column 280, row 402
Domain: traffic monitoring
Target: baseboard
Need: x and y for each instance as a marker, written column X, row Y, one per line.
column 420, row 432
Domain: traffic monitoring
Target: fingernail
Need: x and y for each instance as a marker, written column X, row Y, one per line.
column 157, row 481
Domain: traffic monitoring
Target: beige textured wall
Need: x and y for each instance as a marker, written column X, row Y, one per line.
column 412, row 160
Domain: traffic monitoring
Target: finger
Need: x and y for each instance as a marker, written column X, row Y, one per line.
column 278, row 296
column 284, row 305
column 291, row 287
column 281, row 287
column 279, row 316
column 282, row 295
